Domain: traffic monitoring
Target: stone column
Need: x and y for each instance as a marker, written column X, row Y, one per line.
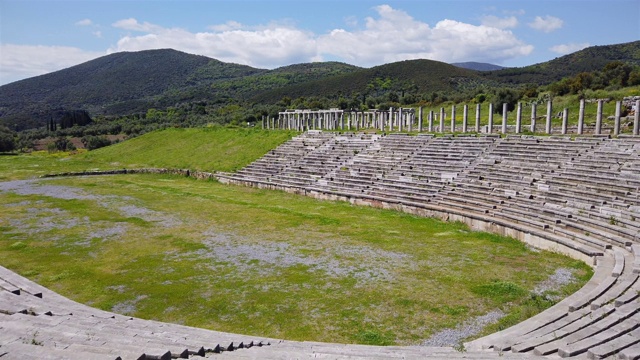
column 490, row 125
column 410, row 117
column 465, row 114
column 534, row 115
column 519, row 119
column 636, row 119
column 390, row 119
column 381, row 118
column 505, row 111
column 400, row 119
column 616, row 125
column 581, row 118
column 547, row 128
column 420, row 118
column 598, row 129
column 478, row 107
column 430, row 121
column 441, row 119
column 565, row 120
column 453, row 118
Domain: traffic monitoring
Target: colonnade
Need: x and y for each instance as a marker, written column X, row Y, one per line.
column 405, row 119
column 336, row 119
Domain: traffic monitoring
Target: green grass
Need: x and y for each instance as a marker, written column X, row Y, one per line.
column 205, row 149
column 254, row 261
column 210, row 149
column 267, row 263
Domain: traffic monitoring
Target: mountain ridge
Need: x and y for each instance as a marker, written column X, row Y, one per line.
column 133, row 82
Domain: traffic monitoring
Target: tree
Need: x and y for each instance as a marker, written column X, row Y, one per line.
column 616, row 73
column 7, row 139
column 95, row 142
column 74, row 117
column 508, row 96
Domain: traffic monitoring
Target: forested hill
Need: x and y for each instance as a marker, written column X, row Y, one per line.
column 409, row 76
column 472, row 65
column 133, row 82
column 587, row 60
column 127, row 78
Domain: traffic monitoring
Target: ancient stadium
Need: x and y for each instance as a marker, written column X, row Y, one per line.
column 577, row 196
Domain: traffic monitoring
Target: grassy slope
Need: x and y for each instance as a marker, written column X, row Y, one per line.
column 210, row 149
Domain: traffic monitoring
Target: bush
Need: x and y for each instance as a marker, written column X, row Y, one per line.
column 7, row 139
column 95, row 142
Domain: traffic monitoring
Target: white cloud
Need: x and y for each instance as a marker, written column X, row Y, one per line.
column 23, row 61
column 84, row 22
column 546, row 24
column 351, row 21
column 391, row 35
column 564, row 49
column 396, row 36
column 228, row 26
column 270, row 46
column 519, row 12
column 134, row 25
column 500, row 23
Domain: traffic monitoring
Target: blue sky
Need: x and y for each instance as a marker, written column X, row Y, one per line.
column 37, row 37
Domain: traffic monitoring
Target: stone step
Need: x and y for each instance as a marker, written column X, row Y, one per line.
column 603, row 337
column 614, row 346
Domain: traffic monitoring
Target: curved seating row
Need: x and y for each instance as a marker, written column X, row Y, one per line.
column 579, row 196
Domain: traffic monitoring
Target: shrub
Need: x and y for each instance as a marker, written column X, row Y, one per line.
column 95, row 142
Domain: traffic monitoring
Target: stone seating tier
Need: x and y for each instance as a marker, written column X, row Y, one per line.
column 560, row 189
column 557, row 192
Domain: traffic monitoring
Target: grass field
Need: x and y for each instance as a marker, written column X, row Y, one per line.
column 206, row 149
column 255, row 261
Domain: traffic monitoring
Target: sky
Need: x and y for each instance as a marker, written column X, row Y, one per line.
column 37, row 37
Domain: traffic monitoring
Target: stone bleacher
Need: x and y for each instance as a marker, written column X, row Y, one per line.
column 577, row 196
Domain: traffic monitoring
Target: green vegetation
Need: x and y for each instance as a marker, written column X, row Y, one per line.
column 265, row 262
column 254, row 261
column 208, row 149
column 126, row 95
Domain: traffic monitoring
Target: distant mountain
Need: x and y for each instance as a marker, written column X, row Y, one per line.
column 408, row 75
column 133, row 82
column 478, row 66
column 252, row 85
column 586, row 60
column 126, row 81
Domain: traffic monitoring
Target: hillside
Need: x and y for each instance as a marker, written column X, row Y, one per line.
column 208, row 149
column 589, row 59
column 252, row 85
column 131, row 83
column 472, row 65
column 409, row 75
column 116, row 83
